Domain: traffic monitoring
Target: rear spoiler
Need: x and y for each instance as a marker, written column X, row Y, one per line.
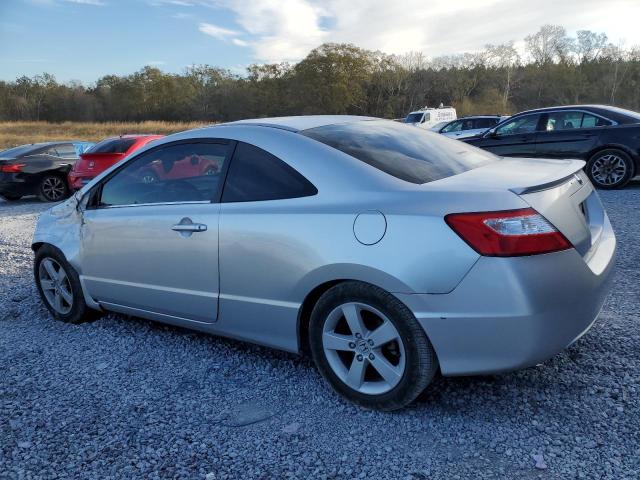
column 571, row 173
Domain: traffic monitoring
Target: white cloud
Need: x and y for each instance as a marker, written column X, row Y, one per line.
column 239, row 42
column 95, row 3
column 216, row 31
column 285, row 30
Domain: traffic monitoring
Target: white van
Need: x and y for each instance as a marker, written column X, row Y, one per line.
column 428, row 117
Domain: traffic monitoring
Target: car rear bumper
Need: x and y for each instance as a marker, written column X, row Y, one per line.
column 510, row 313
column 77, row 180
column 16, row 184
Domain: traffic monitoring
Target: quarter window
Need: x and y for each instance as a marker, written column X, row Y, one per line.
column 185, row 172
column 256, row 175
column 519, row 125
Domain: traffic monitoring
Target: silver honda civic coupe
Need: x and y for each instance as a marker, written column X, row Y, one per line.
column 386, row 251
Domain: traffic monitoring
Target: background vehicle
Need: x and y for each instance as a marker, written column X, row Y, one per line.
column 469, row 126
column 428, row 117
column 103, row 155
column 38, row 169
column 261, row 250
column 607, row 138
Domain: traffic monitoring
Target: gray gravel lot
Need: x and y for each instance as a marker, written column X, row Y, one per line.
column 127, row 398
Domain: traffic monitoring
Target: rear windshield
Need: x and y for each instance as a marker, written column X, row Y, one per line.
column 19, row 151
column 112, row 145
column 403, row 151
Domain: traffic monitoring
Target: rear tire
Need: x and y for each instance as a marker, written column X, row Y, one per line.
column 11, row 198
column 53, row 188
column 59, row 287
column 387, row 363
column 610, row 168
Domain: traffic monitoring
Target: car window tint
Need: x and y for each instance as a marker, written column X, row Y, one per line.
column 519, row 125
column 256, row 175
column 405, row 152
column 112, row 145
column 66, row 151
column 590, row 121
column 485, row 122
column 185, row 172
column 565, row 120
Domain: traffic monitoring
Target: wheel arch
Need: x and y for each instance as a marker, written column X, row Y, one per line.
column 315, row 284
column 635, row 158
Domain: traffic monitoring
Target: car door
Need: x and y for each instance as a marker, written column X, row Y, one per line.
column 150, row 248
column 568, row 134
column 514, row 138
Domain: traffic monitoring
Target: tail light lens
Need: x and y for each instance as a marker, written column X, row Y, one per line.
column 509, row 233
column 13, row 168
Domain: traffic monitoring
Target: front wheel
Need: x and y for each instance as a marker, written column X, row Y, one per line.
column 369, row 346
column 52, row 188
column 610, row 169
column 59, row 286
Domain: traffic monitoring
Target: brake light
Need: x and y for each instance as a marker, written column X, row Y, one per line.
column 13, row 168
column 510, row 233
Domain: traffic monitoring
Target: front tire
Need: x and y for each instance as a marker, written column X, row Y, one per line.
column 609, row 169
column 52, row 188
column 369, row 346
column 59, row 286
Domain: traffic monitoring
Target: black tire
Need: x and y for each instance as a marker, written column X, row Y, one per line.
column 53, row 188
column 421, row 363
column 79, row 312
column 10, row 197
column 598, row 162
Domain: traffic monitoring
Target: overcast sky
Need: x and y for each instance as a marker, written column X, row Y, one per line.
column 85, row 39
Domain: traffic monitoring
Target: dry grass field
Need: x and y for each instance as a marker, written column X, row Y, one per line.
column 19, row 133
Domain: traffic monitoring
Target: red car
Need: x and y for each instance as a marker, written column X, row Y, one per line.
column 104, row 154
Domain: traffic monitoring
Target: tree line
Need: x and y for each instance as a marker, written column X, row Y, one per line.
column 554, row 69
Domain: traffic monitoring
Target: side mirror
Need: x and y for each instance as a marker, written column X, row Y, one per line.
column 491, row 133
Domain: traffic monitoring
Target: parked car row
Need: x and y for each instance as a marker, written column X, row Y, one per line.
column 53, row 170
column 606, row 138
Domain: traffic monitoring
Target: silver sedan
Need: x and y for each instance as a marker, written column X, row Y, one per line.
column 387, row 252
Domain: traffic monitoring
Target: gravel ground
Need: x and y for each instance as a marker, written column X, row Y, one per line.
column 127, row 398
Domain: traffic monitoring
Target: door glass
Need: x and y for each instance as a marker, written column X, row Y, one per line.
column 453, row 127
column 590, row 121
column 66, row 151
column 567, row 120
column 257, row 175
column 520, row 125
column 185, row 172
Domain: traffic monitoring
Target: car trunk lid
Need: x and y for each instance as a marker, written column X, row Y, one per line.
column 557, row 189
column 96, row 163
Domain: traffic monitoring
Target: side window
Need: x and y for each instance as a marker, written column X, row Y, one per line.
column 566, row 120
column 453, row 127
column 590, row 121
column 520, row 125
column 486, row 122
column 66, row 151
column 184, row 172
column 257, row 175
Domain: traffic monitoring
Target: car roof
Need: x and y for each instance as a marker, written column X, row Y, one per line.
column 298, row 123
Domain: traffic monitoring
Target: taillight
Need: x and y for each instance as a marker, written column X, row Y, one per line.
column 12, row 168
column 510, row 233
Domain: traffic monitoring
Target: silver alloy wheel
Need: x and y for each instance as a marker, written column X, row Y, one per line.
column 55, row 285
column 363, row 348
column 609, row 169
column 53, row 188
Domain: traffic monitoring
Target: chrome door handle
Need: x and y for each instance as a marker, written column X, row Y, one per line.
column 186, row 227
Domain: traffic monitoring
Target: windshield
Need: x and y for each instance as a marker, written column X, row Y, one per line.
column 413, row 118
column 19, row 151
column 410, row 154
